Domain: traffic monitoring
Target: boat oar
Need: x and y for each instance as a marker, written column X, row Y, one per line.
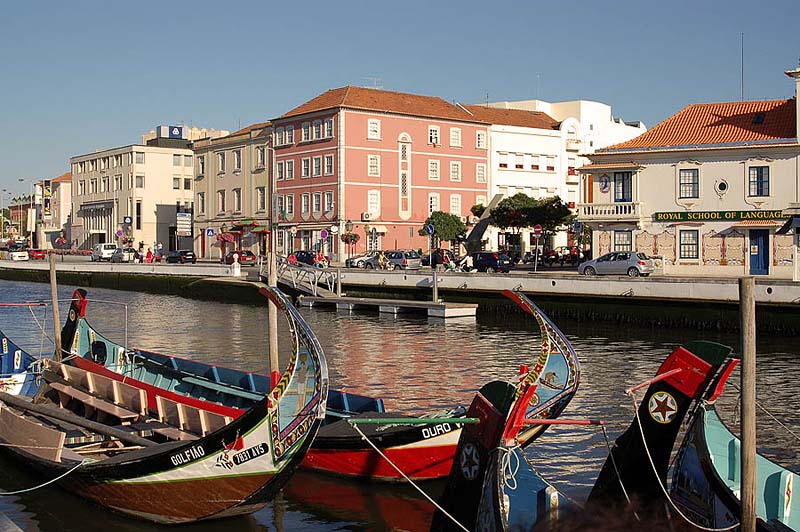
column 411, row 420
column 64, row 415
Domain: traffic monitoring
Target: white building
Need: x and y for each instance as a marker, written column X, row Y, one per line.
column 536, row 147
column 706, row 189
column 56, row 206
column 144, row 184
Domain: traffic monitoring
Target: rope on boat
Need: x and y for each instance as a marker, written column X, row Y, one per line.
column 46, row 483
column 661, row 483
column 508, row 472
column 364, row 437
column 616, row 471
column 770, row 414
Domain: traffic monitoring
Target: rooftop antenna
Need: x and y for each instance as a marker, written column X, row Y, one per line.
column 538, row 85
column 487, row 99
column 375, row 81
column 742, row 66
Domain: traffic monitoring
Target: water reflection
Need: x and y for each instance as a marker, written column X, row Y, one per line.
column 415, row 364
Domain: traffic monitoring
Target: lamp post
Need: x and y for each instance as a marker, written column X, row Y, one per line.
column 348, row 229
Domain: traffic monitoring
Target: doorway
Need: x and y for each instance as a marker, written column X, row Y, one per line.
column 759, row 252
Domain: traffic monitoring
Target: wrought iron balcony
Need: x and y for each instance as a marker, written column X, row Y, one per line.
column 610, row 212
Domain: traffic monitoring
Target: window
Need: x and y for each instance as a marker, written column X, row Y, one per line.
column 622, row 186
column 118, row 160
column 689, row 183
column 329, row 165
column 220, row 201
column 81, row 188
column 201, row 165
column 289, row 134
column 480, row 199
column 317, row 202
column 759, row 181
column 306, row 169
column 130, row 181
column 281, row 238
column 104, row 184
column 237, row 160
column 281, row 206
column 93, row 186
column 290, row 205
column 201, row 202
column 433, row 202
column 433, row 135
column 305, row 203
column 374, row 201
column 118, row 182
column 261, row 198
column 455, row 137
column 317, row 129
column 279, row 171
column 329, row 128
column 176, row 160
column 480, row 173
column 518, row 161
column 139, row 181
column 176, row 183
column 455, row 204
column 622, row 240
column 280, row 138
column 480, row 140
column 455, row 171
column 374, row 165
column 317, row 166
column 306, row 135
column 551, row 164
column 138, row 214
column 503, row 158
column 221, row 162
column 187, row 161
column 139, row 157
column 237, row 200
column 328, row 201
column 535, row 162
column 433, row 169
column 374, row 129
column 689, row 248
column 187, row 183
column 261, row 156
column 289, row 169
column 404, row 152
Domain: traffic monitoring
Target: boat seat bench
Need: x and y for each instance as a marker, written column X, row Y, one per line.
column 93, row 402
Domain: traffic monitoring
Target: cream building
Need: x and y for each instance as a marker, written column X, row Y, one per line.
column 56, row 207
column 536, row 148
column 231, row 205
column 144, row 184
column 706, row 190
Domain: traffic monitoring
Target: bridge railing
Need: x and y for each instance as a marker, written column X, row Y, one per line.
column 302, row 276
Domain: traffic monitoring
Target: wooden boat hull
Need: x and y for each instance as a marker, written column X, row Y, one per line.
column 15, row 365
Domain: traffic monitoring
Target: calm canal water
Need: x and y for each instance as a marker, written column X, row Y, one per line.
column 415, row 364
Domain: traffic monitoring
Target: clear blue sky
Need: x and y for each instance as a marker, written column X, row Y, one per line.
column 80, row 76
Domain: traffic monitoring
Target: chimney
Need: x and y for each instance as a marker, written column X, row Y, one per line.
column 796, row 75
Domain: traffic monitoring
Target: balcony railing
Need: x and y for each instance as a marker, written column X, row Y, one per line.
column 573, row 145
column 623, row 211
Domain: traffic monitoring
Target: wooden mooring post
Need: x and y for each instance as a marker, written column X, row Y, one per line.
column 747, row 314
column 435, row 286
column 56, row 317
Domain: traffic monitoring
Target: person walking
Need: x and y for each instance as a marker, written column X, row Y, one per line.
column 382, row 261
column 149, row 257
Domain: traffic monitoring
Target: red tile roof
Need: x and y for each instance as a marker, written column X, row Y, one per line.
column 250, row 128
column 63, row 178
column 608, row 166
column 513, row 117
column 720, row 123
column 384, row 101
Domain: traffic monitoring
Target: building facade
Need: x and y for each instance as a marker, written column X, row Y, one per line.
column 705, row 190
column 375, row 163
column 146, row 185
column 56, row 207
column 231, row 192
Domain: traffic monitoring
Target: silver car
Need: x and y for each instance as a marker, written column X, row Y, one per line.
column 396, row 259
column 630, row 263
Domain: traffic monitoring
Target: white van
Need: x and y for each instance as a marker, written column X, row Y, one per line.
column 103, row 252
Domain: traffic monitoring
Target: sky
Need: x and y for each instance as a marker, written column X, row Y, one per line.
column 81, row 76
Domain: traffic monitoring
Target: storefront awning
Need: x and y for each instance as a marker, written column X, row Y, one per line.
column 259, row 229
column 598, row 167
column 758, row 223
column 379, row 229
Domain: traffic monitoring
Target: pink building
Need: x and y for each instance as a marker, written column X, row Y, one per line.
column 375, row 163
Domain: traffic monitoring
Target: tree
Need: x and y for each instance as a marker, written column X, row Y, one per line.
column 550, row 213
column 446, row 226
column 478, row 209
column 514, row 212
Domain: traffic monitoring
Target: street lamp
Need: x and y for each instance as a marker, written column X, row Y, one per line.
column 348, row 229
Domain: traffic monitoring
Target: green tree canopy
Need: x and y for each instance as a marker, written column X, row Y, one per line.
column 520, row 211
column 478, row 209
column 446, row 226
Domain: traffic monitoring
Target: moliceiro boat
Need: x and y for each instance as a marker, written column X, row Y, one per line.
column 420, row 452
column 156, row 459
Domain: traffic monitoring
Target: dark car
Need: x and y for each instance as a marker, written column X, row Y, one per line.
column 564, row 255
column 438, row 256
column 246, row 257
column 181, row 256
column 491, row 261
column 306, row 256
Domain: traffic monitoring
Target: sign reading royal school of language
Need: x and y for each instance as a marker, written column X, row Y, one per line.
column 717, row 216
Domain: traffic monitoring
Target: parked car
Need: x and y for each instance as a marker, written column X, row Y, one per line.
column 359, row 261
column 491, row 261
column 103, row 252
column 17, row 252
column 182, row 256
column 246, row 257
column 564, row 255
column 631, row 263
column 437, row 256
column 37, row 254
column 309, row 257
column 403, row 259
column 123, row 255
